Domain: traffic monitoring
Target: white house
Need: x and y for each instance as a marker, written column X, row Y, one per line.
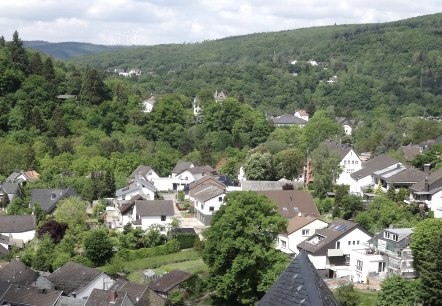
column 23, row 176
column 195, row 173
column 20, row 228
column 208, row 200
column 329, row 248
column 148, row 104
column 137, row 186
column 312, row 62
column 146, row 173
column 149, row 212
column 78, row 281
column 429, row 191
column 8, row 189
column 362, row 179
column 350, row 161
column 302, row 113
column 180, row 167
column 299, row 228
column 196, row 107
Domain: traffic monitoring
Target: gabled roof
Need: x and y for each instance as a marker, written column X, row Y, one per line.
column 48, row 198
column 30, row 175
column 141, row 170
column 136, row 292
column 169, row 281
column 302, row 112
column 411, row 151
column 9, row 188
column 328, row 235
column 17, row 223
column 18, row 273
column 375, row 164
column 288, row 119
column 298, row 222
column 343, row 121
column 434, row 182
column 299, row 284
column 73, row 277
column 247, row 185
column 207, row 179
column 70, row 301
column 202, row 169
column 19, row 295
column 292, row 202
column 135, row 185
column 401, row 232
column 341, row 149
column 127, row 205
column 4, row 286
column 146, row 208
column 181, row 166
column 408, row 175
column 207, row 193
column 99, row 297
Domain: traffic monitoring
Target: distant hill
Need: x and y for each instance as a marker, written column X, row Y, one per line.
column 68, row 50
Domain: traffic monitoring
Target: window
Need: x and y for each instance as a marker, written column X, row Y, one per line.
column 354, row 242
column 305, row 232
column 211, row 208
column 357, row 242
column 220, row 199
column 356, row 162
column 359, row 265
column 202, row 206
column 338, row 244
column 163, row 218
column 352, row 162
column 381, row 266
column 349, row 243
column 284, row 244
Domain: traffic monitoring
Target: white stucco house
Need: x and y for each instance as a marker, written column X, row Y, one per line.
column 429, row 191
column 208, row 200
column 137, row 186
column 329, row 248
column 302, row 113
column 146, row 173
column 299, row 228
column 350, row 161
column 148, row 104
column 20, row 229
column 146, row 213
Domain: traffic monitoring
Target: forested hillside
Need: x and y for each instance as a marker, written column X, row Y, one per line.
column 390, row 64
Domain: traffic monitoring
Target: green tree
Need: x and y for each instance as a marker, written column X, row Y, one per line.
column 92, row 88
column 98, row 246
column 258, row 166
column 71, row 211
column 18, row 54
column 347, row 295
column 40, row 213
column 396, row 290
column 326, row 170
column 44, row 255
column 319, row 128
column 289, row 163
column 426, row 247
column 239, row 248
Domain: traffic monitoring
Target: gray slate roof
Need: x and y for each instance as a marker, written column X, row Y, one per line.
column 207, row 193
column 375, row 164
column 73, row 277
column 70, row 301
column 9, row 188
column 434, row 182
column 99, row 297
column 18, row 273
column 48, row 198
column 147, row 208
column 136, row 292
column 264, row 185
column 169, row 281
column 135, row 185
column 181, row 166
column 141, row 170
column 299, row 284
column 19, row 295
column 288, row 119
column 340, row 149
column 17, row 223
column 409, row 175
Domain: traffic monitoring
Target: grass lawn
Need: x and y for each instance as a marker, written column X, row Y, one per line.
column 368, row 298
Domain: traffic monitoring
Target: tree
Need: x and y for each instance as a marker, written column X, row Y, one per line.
column 289, row 163
column 347, row 295
column 259, row 167
column 239, row 248
column 92, row 88
column 44, row 255
column 55, row 230
column 98, row 246
column 18, row 55
column 396, row 290
column 71, row 211
column 326, row 169
column 426, row 247
column 4, row 202
column 40, row 213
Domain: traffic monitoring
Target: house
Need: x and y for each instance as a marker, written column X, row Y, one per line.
column 208, row 200
column 302, row 114
column 346, row 124
column 362, row 179
column 78, row 281
column 195, row 173
column 247, row 185
column 329, row 248
column 169, row 283
column 66, row 97
column 148, row 104
column 387, row 253
column 291, row 203
column 333, row 79
column 100, row 297
column 49, row 198
column 350, row 161
column 144, row 172
column 18, row 273
column 299, row 284
column 137, row 186
column 123, row 212
column 19, row 295
column 139, row 294
column 196, row 107
column 8, row 189
column 312, row 62
column 180, row 167
column 216, row 181
column 152, row 212
column 23, row 176
column 411, row 151
column 21, row 228
column 299, row 228
column 398, row 176
column 429, row 191
column 219, row 96
column 288, row 121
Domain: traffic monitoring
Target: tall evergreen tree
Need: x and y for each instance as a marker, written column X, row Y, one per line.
column 35, row 64
column 92, row 88
column 18, row 54
column 2, row 41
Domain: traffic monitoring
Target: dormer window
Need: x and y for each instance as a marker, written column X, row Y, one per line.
column 53, row 196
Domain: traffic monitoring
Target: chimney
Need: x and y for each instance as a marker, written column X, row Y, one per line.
column 427, row 168
column 113, row 296
column 426, row 185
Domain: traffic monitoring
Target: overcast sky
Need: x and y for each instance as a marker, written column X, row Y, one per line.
column 149, row 22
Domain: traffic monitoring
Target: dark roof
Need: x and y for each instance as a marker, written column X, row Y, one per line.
column 201, row 169
column 99, row 297
column 141, row 170
column 299, row 284
column 18, row 273
column 334, row 231
column 9, row 188
column 298, row 222
column 3, row 288
column 17, row 223
column 48, row 198
column 19, row 295
column 340, row 149
column 127, row 205
column 434, row 182
column 411, row 151
column 288, row 119
column 70, row 301
column 135, row 291
column 73, row 277
column 264, row 185
column 343, row 121
column 207, row 193
column 3, row 250
column 375, row 164
column 154, row 208
column 169, row 281
column 292, row 202
column 181, row 166
column 134, row 185
column 409, row 175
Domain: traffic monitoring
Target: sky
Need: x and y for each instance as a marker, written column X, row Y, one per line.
column 151, row 22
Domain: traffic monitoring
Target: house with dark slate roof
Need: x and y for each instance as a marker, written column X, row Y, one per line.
column 146, row 173
column 137, row 186
column 299, row 284
column 207, row 200
column 329, row 248
column 180, row 167
column 8, row 189
column 99, row 297
column 152, row 212
column 78, row 281
column 288, row 120
column 20, row 228
column 428, row 191
column 349, row 163
column 49, row 198
column 169, row 283
column 18, row 273
column 139, row 294
column 19, row 295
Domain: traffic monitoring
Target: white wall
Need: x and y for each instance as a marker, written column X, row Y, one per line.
column 296, row 237
column 103, row 282
column 436, row 204
column 349, row 164
column 357, row 185
column 146, row 222
column 147, row 193
column 319, row 262
column 370, row 263
column 215, row 203
column 350, row 241
column 25, row 236
column 166, row 183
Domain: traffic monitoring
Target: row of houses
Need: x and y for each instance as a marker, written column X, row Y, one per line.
column 77, row 285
